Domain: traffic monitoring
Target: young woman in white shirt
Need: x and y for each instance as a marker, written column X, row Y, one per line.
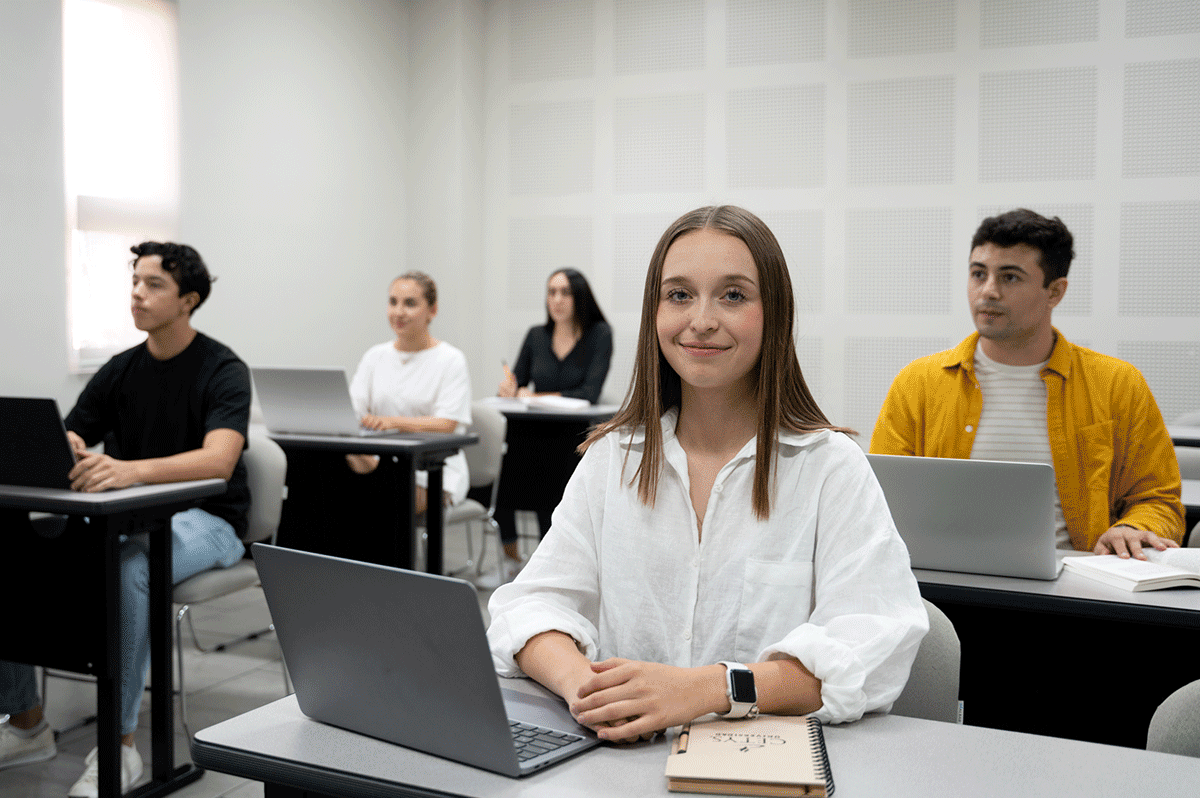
column 414, row 383
column 718, row 524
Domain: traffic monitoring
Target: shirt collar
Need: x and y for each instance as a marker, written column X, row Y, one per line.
column 796, row 440
column 963, row 355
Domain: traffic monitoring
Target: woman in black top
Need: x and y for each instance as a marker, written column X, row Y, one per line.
column 570, row 353
column 567, row 356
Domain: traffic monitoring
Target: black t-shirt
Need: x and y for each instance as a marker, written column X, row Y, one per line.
column 580, row 374
column 141, row 407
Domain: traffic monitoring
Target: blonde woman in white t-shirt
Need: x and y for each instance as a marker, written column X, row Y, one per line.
column 414, row 383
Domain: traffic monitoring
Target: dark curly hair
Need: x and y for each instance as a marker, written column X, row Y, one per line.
column 183, row 263
column 1023, row 226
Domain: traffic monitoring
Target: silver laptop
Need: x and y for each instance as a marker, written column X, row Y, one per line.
column 977, row 516
column 308, row 401
column 403, row 656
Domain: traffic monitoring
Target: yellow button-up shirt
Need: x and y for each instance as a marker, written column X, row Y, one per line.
column 1113, row 458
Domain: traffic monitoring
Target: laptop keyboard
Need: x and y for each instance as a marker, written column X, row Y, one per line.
column 534, row 741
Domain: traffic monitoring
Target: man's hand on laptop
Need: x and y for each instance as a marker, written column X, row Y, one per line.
column 96, row 472
column 1125, row 542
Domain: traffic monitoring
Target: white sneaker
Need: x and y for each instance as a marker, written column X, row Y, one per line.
column 88, row 785
column 18, row 750
column 492, row 580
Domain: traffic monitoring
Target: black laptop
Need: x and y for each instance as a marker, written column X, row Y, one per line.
column 34, row 450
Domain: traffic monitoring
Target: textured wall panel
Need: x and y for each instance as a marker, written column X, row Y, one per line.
column 1022, row 23
column 1079, row 219
column 775, row 137
column 551, row 41
column 887, row 27
column 1175, row 389
column 801, row 235
column 900, row 261
column 810, row 353
column 1159, row 274
column 659, row 143
column 900, row 131
column 551, row 148
column 761, row 32
column 635, row 236
column 1161, row 17
column 1162, row 119
column 871, row 365
column 1038, row 125
column 540, row 245
column 657, row 36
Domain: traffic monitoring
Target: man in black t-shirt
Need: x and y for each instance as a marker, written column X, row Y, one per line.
column 173, row 408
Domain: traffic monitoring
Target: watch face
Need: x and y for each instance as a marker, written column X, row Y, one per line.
column 743, row 686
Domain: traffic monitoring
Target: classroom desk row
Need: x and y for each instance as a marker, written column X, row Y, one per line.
column 880, row 755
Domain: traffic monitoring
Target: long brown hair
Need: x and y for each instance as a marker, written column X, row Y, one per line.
column 784, row 400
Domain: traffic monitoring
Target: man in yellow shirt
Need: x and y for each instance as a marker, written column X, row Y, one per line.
column 1018, row 390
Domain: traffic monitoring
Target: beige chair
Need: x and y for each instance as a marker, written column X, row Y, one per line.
column 1175, row 726
column 932, row 689
column 266, row 468
column 484, row 460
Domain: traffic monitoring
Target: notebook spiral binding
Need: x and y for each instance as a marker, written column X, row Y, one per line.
column 817, row 737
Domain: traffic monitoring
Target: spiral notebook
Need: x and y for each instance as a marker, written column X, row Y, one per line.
column 769, row 755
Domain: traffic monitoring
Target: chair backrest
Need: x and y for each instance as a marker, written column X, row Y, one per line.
column 266, row 468
column 932, row 689
column 485, row 457
column 1188, row 419
column 1175, row 726
column 1189, row 461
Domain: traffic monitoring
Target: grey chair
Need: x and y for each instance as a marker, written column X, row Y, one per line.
column 484, row 461
column 932, row 689
column 1175, row 726
column 266, row 468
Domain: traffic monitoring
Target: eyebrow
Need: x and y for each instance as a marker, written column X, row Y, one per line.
column 1007, row 267
column 729, row 278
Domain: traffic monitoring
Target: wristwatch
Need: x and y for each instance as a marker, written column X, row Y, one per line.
column 739, row 689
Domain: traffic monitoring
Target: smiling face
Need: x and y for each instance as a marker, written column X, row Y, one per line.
column 1009, row 305
column 560, row 302
column 155, row 301
column 710, row 314
column 409, row 313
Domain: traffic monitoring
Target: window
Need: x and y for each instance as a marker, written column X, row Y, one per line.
column 121, row 159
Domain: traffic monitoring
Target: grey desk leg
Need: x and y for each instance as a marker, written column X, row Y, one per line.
column 433, row 521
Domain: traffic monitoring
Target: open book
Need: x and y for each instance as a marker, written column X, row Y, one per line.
column 768, row 755
column 1161, row 569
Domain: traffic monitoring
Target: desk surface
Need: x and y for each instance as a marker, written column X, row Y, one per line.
column 411, row 443
column 1070, row 594
column 1191, row 493
column 70, row 502
column 515, row 408
column 1184, row 436
column 879, row 755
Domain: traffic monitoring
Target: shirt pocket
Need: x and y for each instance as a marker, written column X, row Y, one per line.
column 776, row 598
column 1096, row 459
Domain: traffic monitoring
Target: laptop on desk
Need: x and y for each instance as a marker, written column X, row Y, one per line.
column 403, row 656
column 974, row 516
column 308, row 401
column 34, row 449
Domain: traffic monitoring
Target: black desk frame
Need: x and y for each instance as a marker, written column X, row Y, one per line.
column 107, row 517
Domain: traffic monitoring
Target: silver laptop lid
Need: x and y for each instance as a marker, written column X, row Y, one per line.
column 401, row 656
column 975, row 516
column 306, row 400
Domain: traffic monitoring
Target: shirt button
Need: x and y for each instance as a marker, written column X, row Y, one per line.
column 718, row 488
column 687, row 635
column 969, row 428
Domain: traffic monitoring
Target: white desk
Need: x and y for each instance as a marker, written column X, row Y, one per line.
column 1184, row 436
column 878, row 756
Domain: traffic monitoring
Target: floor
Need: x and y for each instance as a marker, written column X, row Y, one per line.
column 220, row 685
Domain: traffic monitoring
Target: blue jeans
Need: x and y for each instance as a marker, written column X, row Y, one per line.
column 200, row 541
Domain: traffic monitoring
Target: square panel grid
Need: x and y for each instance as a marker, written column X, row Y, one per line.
column 1038, row 124
column 635, row 236
column 658, row 143
column 760, row 32
column 1158, row 274
column 657, row 36
column 1024, row 23
column 1161, row 17
column 551, row 41
column 801, row 236
column 899, row 261
column 1162, row 119
column 880, row 28
column 775, row 137
column 537, row 247
column 810, row 352
column 900, row 131
column 871, row 365
column 1080, row 220
column 1175, row 389
column 551, row 148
